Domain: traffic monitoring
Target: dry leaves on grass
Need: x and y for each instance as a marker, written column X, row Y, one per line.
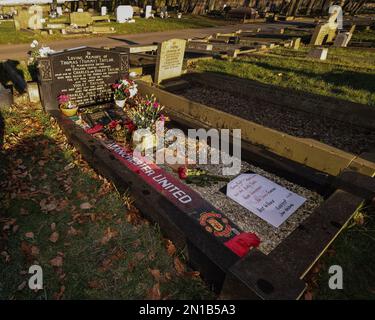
column 29, row 250
column 60, row 294
column 29, row 235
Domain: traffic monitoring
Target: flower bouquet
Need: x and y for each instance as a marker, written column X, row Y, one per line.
column 66, row 106
column 123, row 90
column 144, row 115
column 199, row 177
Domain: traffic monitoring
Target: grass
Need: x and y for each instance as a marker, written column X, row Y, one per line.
column 104, row 248
column 364, row 36
column 347, row 74
column 353, row 250
column 8, row 34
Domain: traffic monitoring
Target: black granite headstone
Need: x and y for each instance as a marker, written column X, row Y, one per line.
column 85, row 74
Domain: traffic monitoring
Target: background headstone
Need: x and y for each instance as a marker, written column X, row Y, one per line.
column 170, row 57
column 85, row 74
column 59, row 11
column 80, row 10
column 36, row 15
column 21, row 20
column 103, row 11
column 124, row 13
column 318, row 53
column 148, row 12
column 81, row 19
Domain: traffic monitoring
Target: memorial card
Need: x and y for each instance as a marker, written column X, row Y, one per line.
column 266, row 199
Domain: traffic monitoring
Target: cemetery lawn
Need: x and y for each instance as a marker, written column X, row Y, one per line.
column 8, row 34
column 347, row 73
column 353, row 250
column 90, row 241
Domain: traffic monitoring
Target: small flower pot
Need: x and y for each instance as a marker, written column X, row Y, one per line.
column 69, row 112
column 120, row 103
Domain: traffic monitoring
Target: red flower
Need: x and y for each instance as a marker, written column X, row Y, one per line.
column 183, row 172
column 113, row 124
column 242, row 243
column 130, row 126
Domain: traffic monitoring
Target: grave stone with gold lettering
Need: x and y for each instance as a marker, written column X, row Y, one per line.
column 85, row 74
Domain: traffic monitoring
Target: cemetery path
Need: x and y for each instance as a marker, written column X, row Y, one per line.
column 19, row 51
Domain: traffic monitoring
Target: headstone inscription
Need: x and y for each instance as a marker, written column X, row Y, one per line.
column 124, row 13
column 170, row 57
column 85, row 74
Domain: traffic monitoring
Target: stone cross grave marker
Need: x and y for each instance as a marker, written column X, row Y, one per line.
column 124, row 13
column 170, row 57
column 85, row 74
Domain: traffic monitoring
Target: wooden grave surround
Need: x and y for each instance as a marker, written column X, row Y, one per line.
column 274, row 276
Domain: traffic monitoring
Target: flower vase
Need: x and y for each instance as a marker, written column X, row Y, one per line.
column 69, row 112
column 120, row 103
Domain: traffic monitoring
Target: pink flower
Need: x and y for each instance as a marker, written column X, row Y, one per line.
column 156, row 105
column 63, row 98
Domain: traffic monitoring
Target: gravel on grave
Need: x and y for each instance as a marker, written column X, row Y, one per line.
column 294, row 122
column 269, row 235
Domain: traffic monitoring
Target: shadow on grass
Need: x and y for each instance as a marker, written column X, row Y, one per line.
column 10, row 73
column 2, row 130
column 45, row 186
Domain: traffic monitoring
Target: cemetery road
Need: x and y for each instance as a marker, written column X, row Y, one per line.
column 19, row 51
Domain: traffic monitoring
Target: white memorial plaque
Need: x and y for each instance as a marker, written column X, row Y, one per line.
column 266, row 199
column 124, row 13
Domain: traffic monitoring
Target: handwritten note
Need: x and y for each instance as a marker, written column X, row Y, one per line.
column 266, row 199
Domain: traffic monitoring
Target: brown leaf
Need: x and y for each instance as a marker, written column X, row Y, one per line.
column 156, row 274
column 94, row 284
column 179, row 266
column 59, row 295
column 34, row 251
column 308, row 295
column 85, row 206
column 21, row 286
column 139, row 256
column 72, row 231
column 54, row 237
column 154, row 292
column 56, row 262
column 108, row 235
column 29, row 235
column 171, row 249
column 53, row 226
column 6, row 256
column 192, row 274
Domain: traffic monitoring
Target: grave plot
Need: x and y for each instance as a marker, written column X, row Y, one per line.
column 271, row 113
column 241, row 253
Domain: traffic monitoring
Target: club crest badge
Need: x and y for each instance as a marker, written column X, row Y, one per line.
column 215, row 223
